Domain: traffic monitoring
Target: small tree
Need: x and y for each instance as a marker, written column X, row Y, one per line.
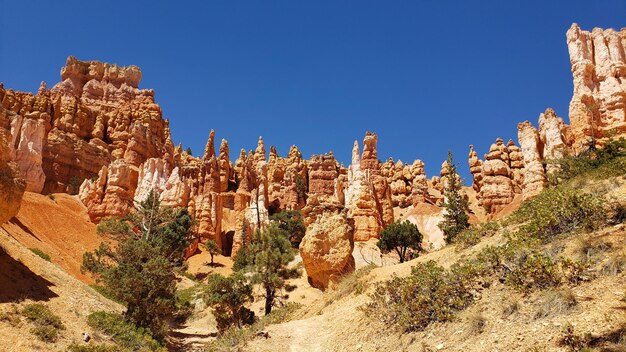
column 188, row 151
column 141, row 270
column 455, row 218
column 267, row 257
column 227, row 296
column 292, row 223
column 211, row 247
column 400, row 236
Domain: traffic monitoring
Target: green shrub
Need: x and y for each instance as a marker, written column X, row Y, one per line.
column 73, row 184
column 536, row 271
column 47, row 325
column 113, row 226
column 52, row 197
column 429, row 295
column 123, row 333
column 558, row 211
column 602, row 163
column 472, row 235
column 40, row 253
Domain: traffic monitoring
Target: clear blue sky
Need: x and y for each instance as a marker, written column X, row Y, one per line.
column 427, row 76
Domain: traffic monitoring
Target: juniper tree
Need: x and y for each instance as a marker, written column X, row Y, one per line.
column 400, row 236
column 455, row 218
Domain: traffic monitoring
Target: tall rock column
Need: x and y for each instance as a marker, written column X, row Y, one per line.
column 598, row 105
column 534, row 175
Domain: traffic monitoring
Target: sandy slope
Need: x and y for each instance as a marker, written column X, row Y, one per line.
column 60, row 227
column 26, row 278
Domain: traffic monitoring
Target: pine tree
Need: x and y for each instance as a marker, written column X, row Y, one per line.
column 455, row 218
column 141, row 270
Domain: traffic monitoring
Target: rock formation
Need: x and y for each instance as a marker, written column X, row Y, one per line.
column 534, row 174
column 598, row 106
column 11, row 184
column 326, row 248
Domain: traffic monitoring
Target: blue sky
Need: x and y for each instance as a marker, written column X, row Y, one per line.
column 427, row 76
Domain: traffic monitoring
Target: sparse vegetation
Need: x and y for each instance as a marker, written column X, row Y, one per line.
column 472, row 235
column 400, row 237
column 124, row 334
column 92, row 347
column 455, row 218
column 476, row 323
column 114, row 226
column 189, row 151
column 555, row 301
column 47, row 325
column 41, row 254
column 349, row 284
column 236, row 337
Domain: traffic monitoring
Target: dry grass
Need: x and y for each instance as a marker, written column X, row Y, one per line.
column 476, row 323
column 556, row 302
column 350, row 283
column 509, row 307
column 615, row 264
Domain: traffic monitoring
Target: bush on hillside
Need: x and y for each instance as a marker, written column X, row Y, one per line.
column 47, row 325
column 124, row 334
column 558, row 211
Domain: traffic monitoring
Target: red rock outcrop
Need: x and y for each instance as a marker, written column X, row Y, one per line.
column 326, row 248
column 598, row 106
column 112, row 192
column 12, row 185
column 96, row 115
column 553, row 135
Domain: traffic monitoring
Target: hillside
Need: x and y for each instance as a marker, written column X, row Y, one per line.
column 59, row 226
column 27, row 278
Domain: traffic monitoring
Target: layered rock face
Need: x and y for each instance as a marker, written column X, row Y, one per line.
column 96, row 115
column 598, row 106
column 326, row 248
column 12, row 185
